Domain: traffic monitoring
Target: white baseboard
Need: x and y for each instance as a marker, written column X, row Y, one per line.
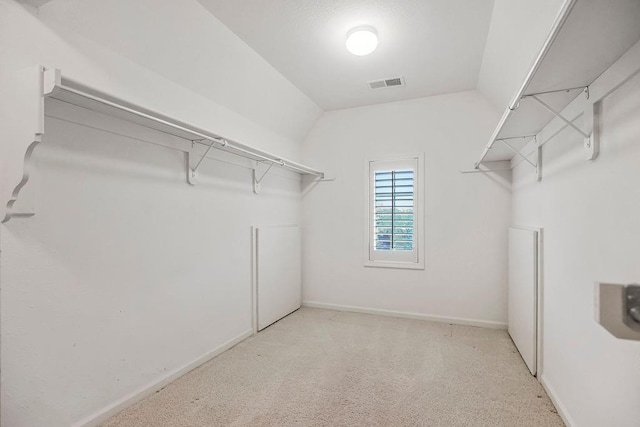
column 402, row 314
column 562, row 410
column 128, row 400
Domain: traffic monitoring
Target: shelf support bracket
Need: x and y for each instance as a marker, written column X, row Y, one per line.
column 192, row 171
column 517, row 152
column 560, row 116
column 537, row 165
column 257, row 181
column 27, row 90
column 592, row 144
column 538, row 162
column 590, row 139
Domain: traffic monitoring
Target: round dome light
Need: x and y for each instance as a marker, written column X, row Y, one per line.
column 362, row 40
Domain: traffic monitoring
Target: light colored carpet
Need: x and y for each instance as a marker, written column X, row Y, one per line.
column 321, row 367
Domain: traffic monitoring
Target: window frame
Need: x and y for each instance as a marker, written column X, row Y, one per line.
column 394, row 259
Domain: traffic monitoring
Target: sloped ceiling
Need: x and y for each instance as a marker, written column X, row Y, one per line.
column 518, row 30
column 437, row 45
column 184, row 43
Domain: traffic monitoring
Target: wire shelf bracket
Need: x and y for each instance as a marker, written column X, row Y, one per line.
column 590, row 140
column 256, row 180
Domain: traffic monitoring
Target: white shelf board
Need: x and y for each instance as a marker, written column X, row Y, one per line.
column 594, row 36
column 99, row 102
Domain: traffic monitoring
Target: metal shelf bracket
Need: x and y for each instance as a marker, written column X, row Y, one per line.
column 538, row 163
column 517, row 152
column 592, row 144
column 590, row 138
column 194, row 162
column 257, row 181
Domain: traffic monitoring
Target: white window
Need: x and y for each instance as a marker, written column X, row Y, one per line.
column 394, row 212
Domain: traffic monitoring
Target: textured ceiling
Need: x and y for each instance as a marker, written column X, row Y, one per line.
column 437, row 45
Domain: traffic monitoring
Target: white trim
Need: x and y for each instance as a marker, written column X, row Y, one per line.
column 254, row 279
column 562, row 410
column 110, row 410
column 539, row 297
column 419, row 234
column 395, row 264
column 540, row 308
column 406, row 315
column 255, row 315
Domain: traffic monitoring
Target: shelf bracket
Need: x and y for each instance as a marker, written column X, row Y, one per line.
column 538, row 162
column 537, row 165
column 560, row 116
column 590, row 139
column 517, row 152
column 592, row 144
column 257, row 181
column 194, row 160
column 27, row 90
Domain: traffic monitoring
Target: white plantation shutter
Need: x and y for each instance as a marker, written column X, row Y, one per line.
column 393, row 211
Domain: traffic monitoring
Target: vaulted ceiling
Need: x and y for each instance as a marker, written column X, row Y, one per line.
column 436, row 45
column 275, row 61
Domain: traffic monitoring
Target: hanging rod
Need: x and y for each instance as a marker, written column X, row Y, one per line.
column 564, row 13
column 57, row 88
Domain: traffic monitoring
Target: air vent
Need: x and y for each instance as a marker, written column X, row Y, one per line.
column 377, row 84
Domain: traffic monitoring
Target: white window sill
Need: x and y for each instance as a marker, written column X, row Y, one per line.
column 395, row 264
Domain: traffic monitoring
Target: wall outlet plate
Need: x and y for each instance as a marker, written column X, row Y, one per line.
column 612, row 310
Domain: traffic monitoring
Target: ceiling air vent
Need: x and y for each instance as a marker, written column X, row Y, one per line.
column 377, row 84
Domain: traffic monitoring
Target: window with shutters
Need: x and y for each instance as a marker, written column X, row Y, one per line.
column 394, row 213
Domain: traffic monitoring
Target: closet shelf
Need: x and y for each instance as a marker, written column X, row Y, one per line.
column 75, row 93
column 50, row 84
column 587, row 37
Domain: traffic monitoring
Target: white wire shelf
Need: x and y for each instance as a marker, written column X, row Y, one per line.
column 37, row 84
column 69, row 91
column 587, row 37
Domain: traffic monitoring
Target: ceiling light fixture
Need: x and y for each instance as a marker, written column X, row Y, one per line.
column 362, row 40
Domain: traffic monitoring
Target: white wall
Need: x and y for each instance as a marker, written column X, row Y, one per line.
column 589, row 212
column 127, row 274
column 466, row 215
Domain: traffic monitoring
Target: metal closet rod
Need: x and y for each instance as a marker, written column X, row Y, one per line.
column 564, row 13
column 198, row 134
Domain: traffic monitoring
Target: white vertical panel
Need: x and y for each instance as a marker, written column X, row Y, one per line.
column 523, row 293
column 278, row 273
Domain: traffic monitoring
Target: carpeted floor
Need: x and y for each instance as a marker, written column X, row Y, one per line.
column 321, row 367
